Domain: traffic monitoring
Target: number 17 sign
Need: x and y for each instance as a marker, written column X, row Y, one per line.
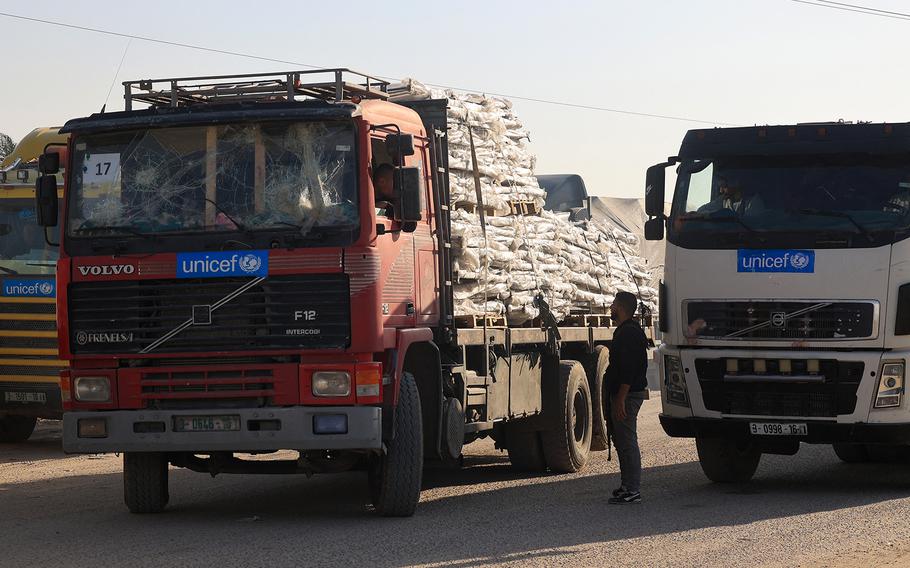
column 100, row 168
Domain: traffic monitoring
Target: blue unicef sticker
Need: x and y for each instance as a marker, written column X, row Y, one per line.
column 221, row 264
column 26, row 214
column 801, row 261
column 29, row 288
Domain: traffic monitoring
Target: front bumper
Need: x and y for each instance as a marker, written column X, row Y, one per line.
column 24, row 399
column 818, row 432
column 294, row 431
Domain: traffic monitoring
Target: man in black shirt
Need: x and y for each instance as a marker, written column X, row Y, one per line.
column 626, row 382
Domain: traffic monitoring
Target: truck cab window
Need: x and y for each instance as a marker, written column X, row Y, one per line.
column 700, row 189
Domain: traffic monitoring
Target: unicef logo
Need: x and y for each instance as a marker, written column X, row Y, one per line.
column 799, row 261
column 81, row 338
column 46, row 288
column 250, row 263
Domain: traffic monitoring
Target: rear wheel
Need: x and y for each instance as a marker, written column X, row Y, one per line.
column 599, row 362
column 395, row 476
column 567, row 445
column 14, row 429
column 851, row 453
column 727, row 461
column 145, row 481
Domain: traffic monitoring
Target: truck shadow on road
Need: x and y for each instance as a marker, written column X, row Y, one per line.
column 44, row 444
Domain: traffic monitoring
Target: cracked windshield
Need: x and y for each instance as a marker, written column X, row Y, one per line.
column 22, row 246
column 277, row 176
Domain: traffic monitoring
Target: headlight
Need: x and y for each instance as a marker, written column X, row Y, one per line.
column 331, row 383
column 890, row 385
column 675, row 381
column 92, row 389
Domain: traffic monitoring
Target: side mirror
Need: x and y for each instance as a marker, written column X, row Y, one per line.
column 654, row 229
column 399, row 145
column 46, row 200
column 409, row 189
column 655, row 182
column 49, row 163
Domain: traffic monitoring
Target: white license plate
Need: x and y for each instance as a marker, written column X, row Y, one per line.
column 25, row 397
column 206, row 423
column 778, row 429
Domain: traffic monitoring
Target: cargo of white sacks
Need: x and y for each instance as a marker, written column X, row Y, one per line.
column 578, row 266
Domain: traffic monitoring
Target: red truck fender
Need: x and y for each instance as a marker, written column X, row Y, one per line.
column 404, row 340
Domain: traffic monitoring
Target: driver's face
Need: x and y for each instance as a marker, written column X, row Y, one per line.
column 384, row 185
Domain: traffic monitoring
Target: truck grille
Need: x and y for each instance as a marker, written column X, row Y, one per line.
column 284, row 312
column 779, row 320
column 780, row 394
column 176, row 389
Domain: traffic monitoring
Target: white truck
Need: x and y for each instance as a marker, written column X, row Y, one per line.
column 785, row 307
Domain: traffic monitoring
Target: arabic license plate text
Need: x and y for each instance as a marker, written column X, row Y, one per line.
column 206, row 423
column 25, row 397
column 778, row 429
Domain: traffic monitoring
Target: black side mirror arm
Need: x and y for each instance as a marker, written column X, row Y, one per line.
column 381, row 230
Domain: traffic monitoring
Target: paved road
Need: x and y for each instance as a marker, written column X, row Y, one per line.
column 807, row 510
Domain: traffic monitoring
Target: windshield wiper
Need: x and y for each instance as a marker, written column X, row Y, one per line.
column 839, row 215
column 6, row 270
column 221, row 210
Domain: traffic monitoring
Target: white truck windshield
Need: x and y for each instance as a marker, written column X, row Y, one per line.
column 864, row 195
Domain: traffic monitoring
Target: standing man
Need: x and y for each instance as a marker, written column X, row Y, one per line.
column 626, row 382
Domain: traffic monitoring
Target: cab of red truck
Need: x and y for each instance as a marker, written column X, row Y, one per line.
column 220, row 265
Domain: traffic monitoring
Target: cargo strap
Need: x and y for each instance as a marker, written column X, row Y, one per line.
column 641, row 303
column 483, row 224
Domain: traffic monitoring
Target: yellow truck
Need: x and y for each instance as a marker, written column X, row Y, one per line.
column 29, row 366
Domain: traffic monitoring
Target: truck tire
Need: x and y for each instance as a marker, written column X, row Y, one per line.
column 395, row 477
column 851, row 453
column 567, row 445
column 887, row 453
column 600, row 360
column 525, row 451
column 15, row 429
column 145, row 481
column 727, row 461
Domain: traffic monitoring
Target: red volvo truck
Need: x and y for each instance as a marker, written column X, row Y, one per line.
column 228, row 287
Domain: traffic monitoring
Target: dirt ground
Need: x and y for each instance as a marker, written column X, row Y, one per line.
column 808, row 510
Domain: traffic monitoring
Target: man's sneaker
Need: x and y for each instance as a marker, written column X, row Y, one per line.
column 619, row 491
column 626, row 497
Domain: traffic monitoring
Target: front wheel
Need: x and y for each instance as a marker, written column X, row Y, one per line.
column 395, row 477
column 15, row 429
column 145, row 481
column 851, row 453
column 727, row 461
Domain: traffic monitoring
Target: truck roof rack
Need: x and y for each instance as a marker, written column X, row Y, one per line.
column 323, row 84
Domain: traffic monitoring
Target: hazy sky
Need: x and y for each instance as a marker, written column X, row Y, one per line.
column 730, row 61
